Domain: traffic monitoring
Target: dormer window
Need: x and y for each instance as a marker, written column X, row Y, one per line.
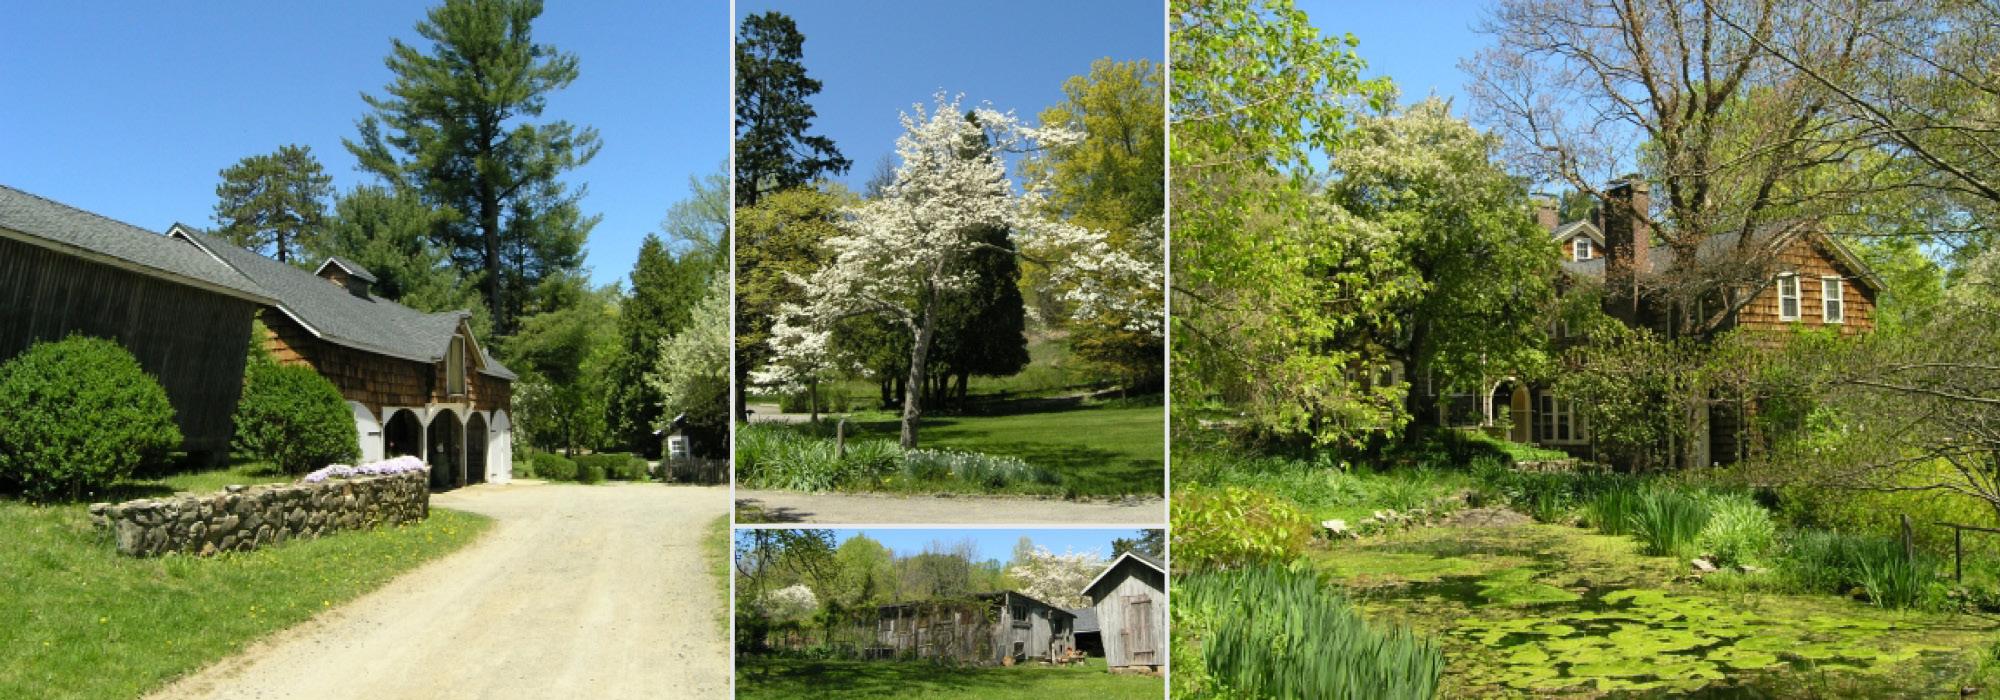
column 1583, row 249
column 454, row 367
column 1788, row 296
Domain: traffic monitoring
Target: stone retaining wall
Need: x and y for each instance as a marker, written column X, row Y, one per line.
column 245, row 518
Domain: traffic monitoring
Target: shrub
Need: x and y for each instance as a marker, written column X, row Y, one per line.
column 1876, row 567
column 1277, row 634
column 1235, row 527
column 622, row 466
column 1666, row 521
column 553, row 467
column 1738, row 531
column 589, row 473
column 77, row 415
column 294, row 418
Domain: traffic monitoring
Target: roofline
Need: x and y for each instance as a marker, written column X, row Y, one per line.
column 1584, row 225
column 334, row 260
column 131, row 266
column 1861, row 267
column 1114, row 564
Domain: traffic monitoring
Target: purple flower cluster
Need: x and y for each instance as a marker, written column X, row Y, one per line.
column 396, row 465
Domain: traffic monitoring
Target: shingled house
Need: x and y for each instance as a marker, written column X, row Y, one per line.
column 64, row 270
column 1788, row 276
column 418, row 383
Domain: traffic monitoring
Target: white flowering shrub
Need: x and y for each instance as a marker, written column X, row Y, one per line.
column 1057, row 578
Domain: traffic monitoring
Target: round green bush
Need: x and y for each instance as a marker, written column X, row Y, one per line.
column 589, row 474
column 76, row 416
column 553, row 467
column 294, row 418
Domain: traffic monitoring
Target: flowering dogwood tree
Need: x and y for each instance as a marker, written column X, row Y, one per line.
column 897, row 256
column 1056, row 578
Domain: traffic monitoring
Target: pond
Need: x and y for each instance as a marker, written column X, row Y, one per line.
column 1551, row 610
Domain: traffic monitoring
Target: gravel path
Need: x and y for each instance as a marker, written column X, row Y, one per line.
column 576, row 591
column 868, row 508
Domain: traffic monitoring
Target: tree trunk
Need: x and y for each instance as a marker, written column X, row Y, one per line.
column 489, row 230
column 812, row 400
column 919, row 363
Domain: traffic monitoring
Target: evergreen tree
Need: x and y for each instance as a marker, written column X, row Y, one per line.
column 388, row 232
column 456, row 126
column 665, row 290
column 273, row 203
column 773, row 151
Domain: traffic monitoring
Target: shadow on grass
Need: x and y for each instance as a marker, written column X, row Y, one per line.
column 789, row 678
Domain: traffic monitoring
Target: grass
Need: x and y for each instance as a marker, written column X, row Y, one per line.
column 77, row 620
column 793, row 678
column 1094, row 449
column 715, row 546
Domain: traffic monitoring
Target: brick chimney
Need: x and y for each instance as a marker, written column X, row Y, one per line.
column 1627, row 239
column 1545, row 212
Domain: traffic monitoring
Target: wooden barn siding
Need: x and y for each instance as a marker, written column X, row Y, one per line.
column 378, row 381
column 1132, row 580
column 189, row 339
column 1035, row 637
column 1811, row 262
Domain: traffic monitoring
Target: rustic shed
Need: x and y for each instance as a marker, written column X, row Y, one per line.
column 1131, row 603
column 418, row 383
column 989, row 628
column 67, row 271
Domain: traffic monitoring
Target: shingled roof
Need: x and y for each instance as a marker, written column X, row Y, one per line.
column 50, row 224
column 1767, row 238
column 374, row 324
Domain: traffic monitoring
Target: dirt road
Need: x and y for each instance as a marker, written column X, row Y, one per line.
column 868, row 508
column 576, row 592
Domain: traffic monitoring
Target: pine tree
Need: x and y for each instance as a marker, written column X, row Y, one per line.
column 773, row 151
column 273, row 203
column 457, row 126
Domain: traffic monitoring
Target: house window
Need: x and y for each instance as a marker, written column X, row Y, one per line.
column 1556, row 421
column 1788, row 297
column 1583, row 251
column 1020, row 611
column 454, row 367
column 1833, row 307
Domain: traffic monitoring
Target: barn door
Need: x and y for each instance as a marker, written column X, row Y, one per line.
column 1139, row 640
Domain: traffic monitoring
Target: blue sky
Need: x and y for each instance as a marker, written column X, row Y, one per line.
column 130, row 109
column 876, row 59
column 993, row 543
column 1417, row 43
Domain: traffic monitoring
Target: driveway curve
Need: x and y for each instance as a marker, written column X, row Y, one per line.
column 576, row 591
column 874, row 509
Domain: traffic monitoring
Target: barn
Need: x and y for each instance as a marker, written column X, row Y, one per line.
column 67, row 271
column 989, row 628
column 1130, row 600
column 418, row 383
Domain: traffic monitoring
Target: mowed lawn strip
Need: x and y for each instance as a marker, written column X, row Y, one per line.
column 792, row 678
column 78, row 620
column 1098, row 449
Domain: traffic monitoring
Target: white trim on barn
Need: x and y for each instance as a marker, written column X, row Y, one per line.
column 370, row 432
column 499, row 448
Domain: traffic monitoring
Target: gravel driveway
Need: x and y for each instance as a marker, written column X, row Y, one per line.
column 869, row 508
column 575, row 592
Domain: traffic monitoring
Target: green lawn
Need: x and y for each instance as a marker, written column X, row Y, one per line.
column 77, row 620
column 1099, row 449
column 715, row 546
column 789, row 678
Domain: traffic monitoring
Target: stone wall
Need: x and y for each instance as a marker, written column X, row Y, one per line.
column 245, row 518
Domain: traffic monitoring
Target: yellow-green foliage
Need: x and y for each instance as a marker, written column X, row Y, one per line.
column 1234, row 527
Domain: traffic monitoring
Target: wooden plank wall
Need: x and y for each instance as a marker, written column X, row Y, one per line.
column 191, row 340
column 1115, row 624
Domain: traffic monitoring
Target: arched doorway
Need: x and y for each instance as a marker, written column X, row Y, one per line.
column 447, row 450
column 500, row 448
column 402, row 435
column 1510, row 406
column 475, row 449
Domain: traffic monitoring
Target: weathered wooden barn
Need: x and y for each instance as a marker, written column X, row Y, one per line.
column 1781, row 278
column 988, row 628
column 67, row 271
column 418, row 383
column 1130, row 599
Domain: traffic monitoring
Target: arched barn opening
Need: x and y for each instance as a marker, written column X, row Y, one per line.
column 447, row 451
column 475, row 449
column 403, row 435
